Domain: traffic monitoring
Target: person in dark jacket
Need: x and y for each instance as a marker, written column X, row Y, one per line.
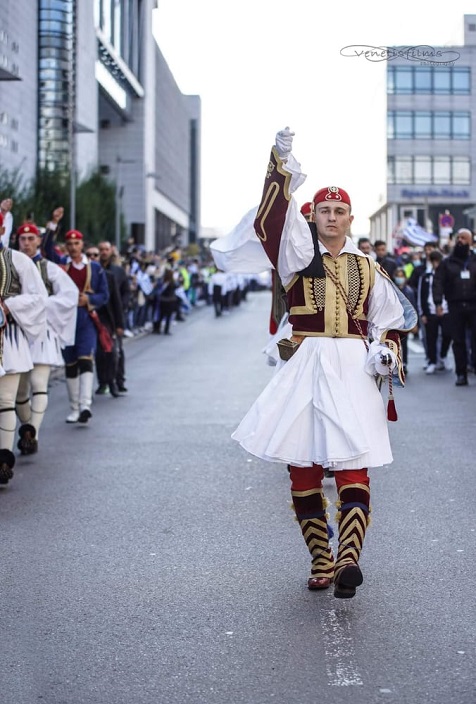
column 455, row 280
column 106, row 259
column 400, row 280
column 168, row 302
column 111, row 315
column 386, row 261
column 437, row 327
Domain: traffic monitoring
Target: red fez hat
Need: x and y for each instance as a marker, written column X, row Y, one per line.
column 28, row 228
column 331, row 193
column 73, row 235
column 306, row 208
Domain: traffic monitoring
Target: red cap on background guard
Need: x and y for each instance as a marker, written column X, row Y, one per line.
column 73, row 235
column 28, row 228
column 1, row 219
column 332, row 194
column 306, row 209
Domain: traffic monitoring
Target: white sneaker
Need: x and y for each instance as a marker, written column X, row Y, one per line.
column 441, row 366
column 431, row 368
column 73, row 417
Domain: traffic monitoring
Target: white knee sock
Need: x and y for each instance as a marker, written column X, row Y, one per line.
column 8, row 419
column 22, row 403
column 39, row 394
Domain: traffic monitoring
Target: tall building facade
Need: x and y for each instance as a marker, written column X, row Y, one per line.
column 85, row 86
column 431, row 138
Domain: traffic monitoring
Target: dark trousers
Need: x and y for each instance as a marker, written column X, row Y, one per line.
column 433, row 326
column 120, row 363
column 217, row 300
column 106, row 365
column 166, row 310
column 404, row 343
column 463, row 322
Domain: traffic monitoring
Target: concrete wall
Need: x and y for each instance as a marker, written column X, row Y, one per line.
column 18, row 102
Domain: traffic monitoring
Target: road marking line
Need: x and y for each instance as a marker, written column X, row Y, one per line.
column 339, row 650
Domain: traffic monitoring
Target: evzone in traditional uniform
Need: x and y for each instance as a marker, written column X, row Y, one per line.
column 59, row 332
column 322, row 408
column 23, row 299
column 91, row 284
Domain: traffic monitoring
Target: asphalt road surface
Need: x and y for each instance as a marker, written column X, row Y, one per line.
column 147, row 559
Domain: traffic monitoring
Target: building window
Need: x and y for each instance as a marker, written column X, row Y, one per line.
column 422, row 169
column 404, row 124
column 404, row 81
column 429, row 170
column 437, row 80
column 441, row 170
column 423, row 124
column 56, row 80
column 441, row 125
column 404, row 169
column 461, row 170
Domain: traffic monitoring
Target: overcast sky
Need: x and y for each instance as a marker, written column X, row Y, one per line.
column 259, row 65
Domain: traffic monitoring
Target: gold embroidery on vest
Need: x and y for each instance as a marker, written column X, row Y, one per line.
column 309, row 306
column 42, row 266
column 335, row 315
column 356, row 274
column 319, row 287
column 9, row 279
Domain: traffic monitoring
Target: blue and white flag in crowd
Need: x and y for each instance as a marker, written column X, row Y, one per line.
column 416, row 235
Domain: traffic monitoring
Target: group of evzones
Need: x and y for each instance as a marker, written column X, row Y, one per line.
column 44, row 323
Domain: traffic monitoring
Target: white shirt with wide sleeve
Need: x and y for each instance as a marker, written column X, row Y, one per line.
column 28, row 310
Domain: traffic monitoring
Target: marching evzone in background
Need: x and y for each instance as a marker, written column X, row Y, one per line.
column 23, row 318
column 92, row 292
column 59, row 332
column 322, row 408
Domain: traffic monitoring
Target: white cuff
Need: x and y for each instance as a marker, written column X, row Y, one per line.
column 374, row 364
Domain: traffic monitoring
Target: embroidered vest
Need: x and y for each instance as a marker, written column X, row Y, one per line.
column 317, row 306
column 42, row 266
column 9, row 280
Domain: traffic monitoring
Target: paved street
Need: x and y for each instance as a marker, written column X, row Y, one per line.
column 147, row 559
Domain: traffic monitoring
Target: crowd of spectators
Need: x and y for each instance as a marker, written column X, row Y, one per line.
column 441, row 285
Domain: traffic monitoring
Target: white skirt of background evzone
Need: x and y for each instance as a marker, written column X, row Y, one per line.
column 47, row 350
column 285, row 329
column 16, row 350
column 320, row 407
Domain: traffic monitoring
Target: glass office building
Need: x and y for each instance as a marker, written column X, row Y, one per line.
column 431, row 138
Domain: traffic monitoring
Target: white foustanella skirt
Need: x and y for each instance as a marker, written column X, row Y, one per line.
column 320, row 407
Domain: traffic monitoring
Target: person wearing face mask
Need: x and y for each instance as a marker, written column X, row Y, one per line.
column 455, row 280
column 437, row 328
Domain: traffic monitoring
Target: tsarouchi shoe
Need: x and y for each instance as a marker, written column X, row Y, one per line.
column 7, row 462
column 346, row 581
column 318, row 583
column 84, row 416
column 27, row 444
